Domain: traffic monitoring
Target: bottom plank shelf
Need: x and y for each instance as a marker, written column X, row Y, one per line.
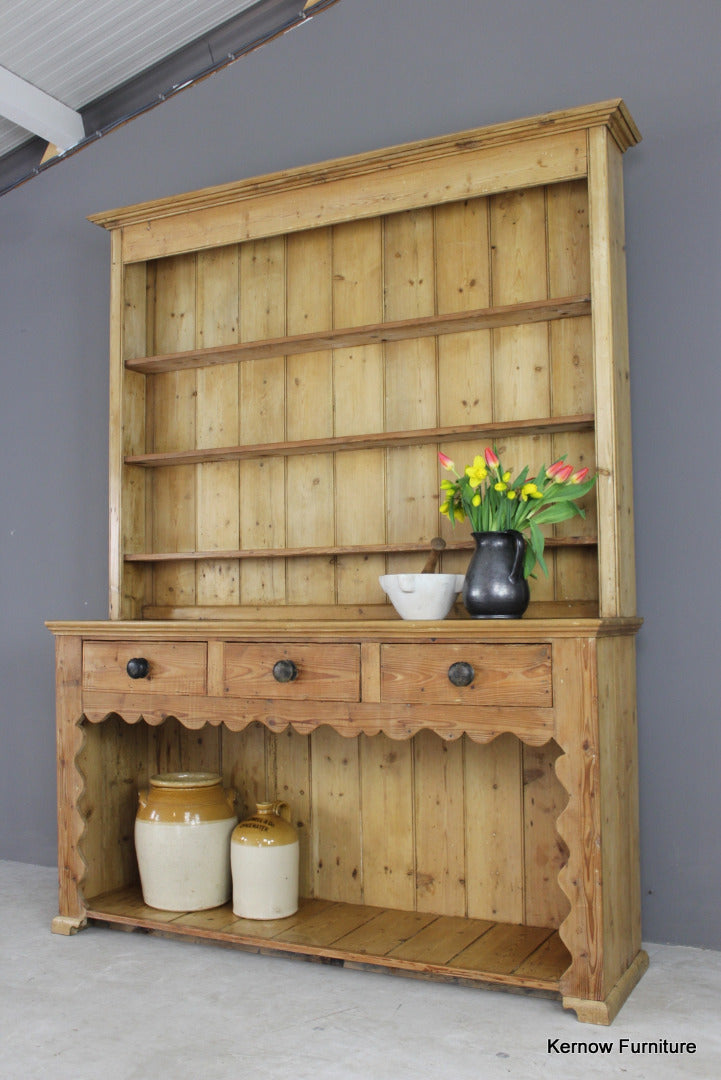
column 441, row 947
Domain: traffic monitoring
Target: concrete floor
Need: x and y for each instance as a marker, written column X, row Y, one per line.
column 107, row 1005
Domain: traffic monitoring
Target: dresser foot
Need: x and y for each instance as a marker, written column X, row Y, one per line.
column 68, row 924
column 604, row 1012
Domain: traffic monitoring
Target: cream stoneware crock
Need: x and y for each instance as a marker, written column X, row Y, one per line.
column 264, row 855
column 182, row 841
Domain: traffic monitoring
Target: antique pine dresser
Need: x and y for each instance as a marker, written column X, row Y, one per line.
column 288, row 354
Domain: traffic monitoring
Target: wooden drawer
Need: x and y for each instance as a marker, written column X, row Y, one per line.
column 501, row 674
column 173, row 667
column 324, row 672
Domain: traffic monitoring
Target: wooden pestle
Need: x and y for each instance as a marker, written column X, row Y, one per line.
column 437, row 545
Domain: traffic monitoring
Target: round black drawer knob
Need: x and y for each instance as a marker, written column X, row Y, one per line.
column 461, row 673
column 285, row 671
column 138, row 667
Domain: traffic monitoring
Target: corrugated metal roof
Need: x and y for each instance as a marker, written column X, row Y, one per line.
column 76, row 50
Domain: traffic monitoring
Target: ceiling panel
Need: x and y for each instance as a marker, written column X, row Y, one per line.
column 77, row 51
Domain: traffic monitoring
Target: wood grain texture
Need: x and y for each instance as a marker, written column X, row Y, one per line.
column 617, row 590
column 262, row 417
column 69, row 739
column 441, row 177
column 358, row 935
column 217, row 419
column 324, row 673
column 494, row 830
column 579, row 824
column 386, row 778
column 514, row 674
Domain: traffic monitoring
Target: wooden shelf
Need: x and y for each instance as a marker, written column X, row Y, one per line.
column 549, row 425
column 414, row 942
column 372, row 334
column 346, row 549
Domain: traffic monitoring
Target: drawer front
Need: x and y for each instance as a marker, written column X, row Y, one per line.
column 177, row 667
column 318, row 672
column 499, row 674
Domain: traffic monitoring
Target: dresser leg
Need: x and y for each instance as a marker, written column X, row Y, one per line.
column 68, row 924
column 603, row 1012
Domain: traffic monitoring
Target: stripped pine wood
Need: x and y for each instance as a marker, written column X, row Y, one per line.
column 439, row 941
column 174, row 427
column 547, row 962
column 288, row 354
column 117, row 482
column 386, row 777
column 128, row 420
column 414, row 437
column 614, row 489
column 352, row 190
column 262, row 417
column 173, row 749
column 218, row 508
column 127, row 904
column 114, row 763
column 503, row 948
column 358, row 406
column 351, row 549
column 326, row 927
column 439, row 832
column 360, row 519
column 494, row 829
column 465, row 384
column 376, row 333
column 310, row 490
column 271, row 929
column 411, row 380
column 175, row 667
column 324, row 672
column 384, row 932
column 618, row 739
column 521, row 362
column 336, row 828
column 69, row 735
column 544, row 852
column 575, row 692
column 244, row 767
column 361, row 936
column 571, row 371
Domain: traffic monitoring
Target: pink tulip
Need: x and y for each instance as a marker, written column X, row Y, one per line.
column 554, row 470
column 491, row 460
column 564, row 475
column 580, row 476
column 445, row 461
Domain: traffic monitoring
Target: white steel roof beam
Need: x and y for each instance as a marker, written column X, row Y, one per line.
column 38, row 112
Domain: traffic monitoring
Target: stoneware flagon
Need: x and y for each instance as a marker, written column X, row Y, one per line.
column 264, row 855
column 182, row 841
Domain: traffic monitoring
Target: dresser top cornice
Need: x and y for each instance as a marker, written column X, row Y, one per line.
column 612, row 114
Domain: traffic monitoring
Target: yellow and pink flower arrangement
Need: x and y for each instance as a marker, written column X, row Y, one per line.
column 492, row 501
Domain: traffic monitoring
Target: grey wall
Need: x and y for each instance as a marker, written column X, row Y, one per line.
column 368, row 74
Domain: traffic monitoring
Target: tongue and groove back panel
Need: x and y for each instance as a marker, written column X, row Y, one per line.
column 379, row 500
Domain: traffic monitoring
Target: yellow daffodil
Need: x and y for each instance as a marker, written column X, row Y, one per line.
column 500, row 486
column 476, row 500
column 477, row 472
column 511, row 494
